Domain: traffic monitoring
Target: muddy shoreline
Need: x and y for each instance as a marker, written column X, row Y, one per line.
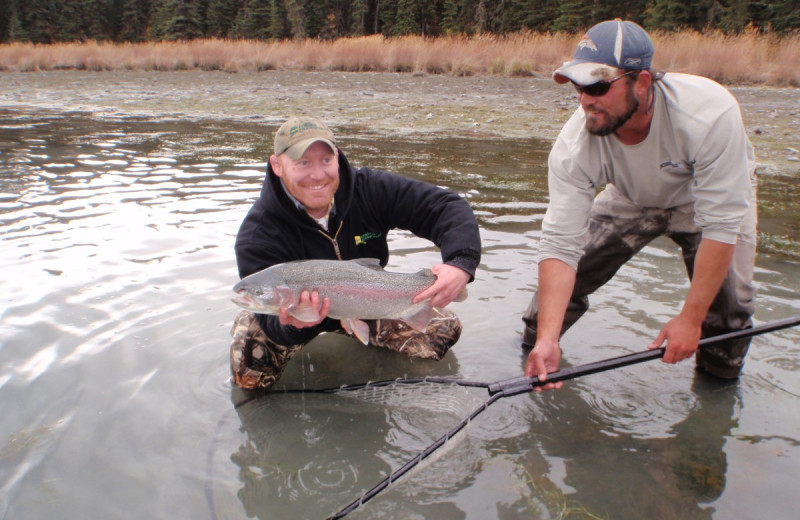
column 398, row 103
column 415, row 107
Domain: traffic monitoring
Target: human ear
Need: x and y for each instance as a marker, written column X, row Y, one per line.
column 277, row 167
column 644, row 80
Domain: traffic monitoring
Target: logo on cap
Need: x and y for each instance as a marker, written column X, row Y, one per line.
column 587, row 43
column 309, row 125
column 298, row 133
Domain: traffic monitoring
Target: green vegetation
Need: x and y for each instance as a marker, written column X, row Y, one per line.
column 50, row 21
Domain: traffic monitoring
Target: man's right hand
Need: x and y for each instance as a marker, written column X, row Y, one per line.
column 544, row 358
column 313, row 300
column 556, row 281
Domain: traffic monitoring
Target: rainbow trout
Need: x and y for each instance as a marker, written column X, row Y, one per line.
column 357, row 289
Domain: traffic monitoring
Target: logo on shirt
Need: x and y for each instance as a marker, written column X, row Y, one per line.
column 677, row 166
column 362, row 239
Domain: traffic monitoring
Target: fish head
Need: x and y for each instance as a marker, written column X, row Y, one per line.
column 262, row 293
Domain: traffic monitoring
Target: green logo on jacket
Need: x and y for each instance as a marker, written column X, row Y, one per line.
column 362, row 239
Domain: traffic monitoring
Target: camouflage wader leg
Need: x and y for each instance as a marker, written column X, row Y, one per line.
column 617, row 231
column 256, row 361
column 442, row 333
column 731, row 309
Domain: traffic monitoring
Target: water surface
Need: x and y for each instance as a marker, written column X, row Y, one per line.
column 117, row 264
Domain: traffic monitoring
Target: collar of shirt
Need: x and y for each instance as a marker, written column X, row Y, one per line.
column 321, row 221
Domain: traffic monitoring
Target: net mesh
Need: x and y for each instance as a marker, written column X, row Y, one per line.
column 446, row 398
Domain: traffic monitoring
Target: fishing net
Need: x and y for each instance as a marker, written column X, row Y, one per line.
column 426, row 396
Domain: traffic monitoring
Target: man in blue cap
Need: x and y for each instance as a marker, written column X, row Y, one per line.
column 672, row 153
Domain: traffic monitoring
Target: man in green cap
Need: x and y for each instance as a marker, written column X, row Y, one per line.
column 315, row 205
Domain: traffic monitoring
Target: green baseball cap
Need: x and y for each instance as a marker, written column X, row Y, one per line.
column 298, row 133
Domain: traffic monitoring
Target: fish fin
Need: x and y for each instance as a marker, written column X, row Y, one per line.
column 370, row 263
column 462, row 296
column 419, row 321
column 357, row 328
column 305, row 313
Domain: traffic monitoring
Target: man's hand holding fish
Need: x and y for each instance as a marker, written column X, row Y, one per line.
column 450, row 284
column 312, row 299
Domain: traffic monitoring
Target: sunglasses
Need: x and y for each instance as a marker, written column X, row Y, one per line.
column 600, row 88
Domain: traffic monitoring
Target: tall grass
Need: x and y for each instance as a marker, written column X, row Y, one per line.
column 746, row 58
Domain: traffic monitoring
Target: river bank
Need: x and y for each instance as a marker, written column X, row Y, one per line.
column 388, row 102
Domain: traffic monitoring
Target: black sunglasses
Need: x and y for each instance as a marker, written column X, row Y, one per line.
column 600, row 88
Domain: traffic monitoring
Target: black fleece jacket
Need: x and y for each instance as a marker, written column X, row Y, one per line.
column 367, row 205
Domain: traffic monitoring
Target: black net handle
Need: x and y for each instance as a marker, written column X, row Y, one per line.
column 522, row 385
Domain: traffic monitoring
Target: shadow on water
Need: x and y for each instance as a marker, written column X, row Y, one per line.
column 118, row 261
column 612, row 474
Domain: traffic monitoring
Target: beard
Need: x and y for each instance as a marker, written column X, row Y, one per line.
column 614, row 122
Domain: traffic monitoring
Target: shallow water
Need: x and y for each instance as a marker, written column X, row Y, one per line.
column 117, row 264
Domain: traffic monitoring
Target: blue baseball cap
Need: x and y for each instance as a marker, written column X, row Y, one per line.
column 606, row 48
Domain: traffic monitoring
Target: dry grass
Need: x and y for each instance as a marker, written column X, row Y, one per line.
column 742, row 59
column 746, row 58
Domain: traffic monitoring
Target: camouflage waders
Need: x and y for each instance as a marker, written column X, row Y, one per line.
column 258, row 362
column 618, row 229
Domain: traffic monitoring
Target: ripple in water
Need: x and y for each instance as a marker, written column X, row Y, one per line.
column 324, row 477
column 636, row 409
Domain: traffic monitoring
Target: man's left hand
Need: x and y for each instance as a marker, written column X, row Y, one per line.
column 450, row 283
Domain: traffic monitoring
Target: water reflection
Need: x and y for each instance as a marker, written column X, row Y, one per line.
column 279, row 469
column 118, row 262
column 686, row 463
column 324, row 450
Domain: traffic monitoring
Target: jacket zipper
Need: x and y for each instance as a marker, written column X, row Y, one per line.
column 333, row 239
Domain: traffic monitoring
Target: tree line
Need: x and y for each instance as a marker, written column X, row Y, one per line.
column 50, row 21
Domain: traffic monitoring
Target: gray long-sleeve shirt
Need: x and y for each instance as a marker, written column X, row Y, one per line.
column 697, row 151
